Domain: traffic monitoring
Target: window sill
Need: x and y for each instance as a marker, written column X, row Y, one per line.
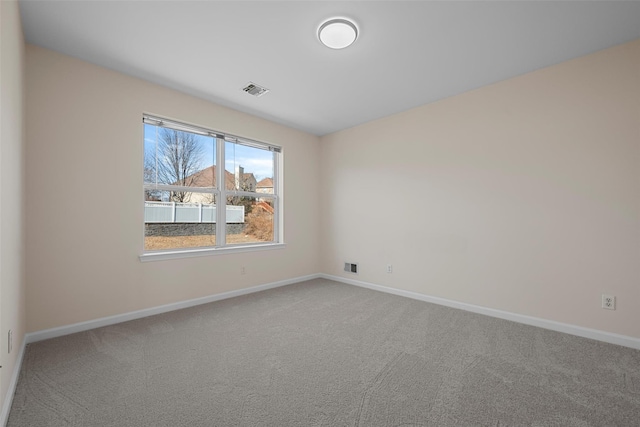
column 190, row 253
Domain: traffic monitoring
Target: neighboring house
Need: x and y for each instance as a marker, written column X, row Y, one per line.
column 265, row 186
column 245, row 181
column 207, row 178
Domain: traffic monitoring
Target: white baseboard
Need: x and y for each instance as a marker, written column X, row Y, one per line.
column 515, row 317
column 566, row 328
column 125, row 317
column 8, row 399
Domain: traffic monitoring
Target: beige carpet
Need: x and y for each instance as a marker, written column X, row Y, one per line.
column 321, row 353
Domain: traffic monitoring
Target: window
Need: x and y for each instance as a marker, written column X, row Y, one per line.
column 196, row 179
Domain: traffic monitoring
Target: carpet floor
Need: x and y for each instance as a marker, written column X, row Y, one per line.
column 322, row 353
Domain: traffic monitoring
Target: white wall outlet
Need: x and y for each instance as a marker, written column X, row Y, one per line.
column 609, row 302
column 389, row 268
column 243, row 270
column 10, row 341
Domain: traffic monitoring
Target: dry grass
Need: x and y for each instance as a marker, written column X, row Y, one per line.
column 260, row 225
column 154, row 243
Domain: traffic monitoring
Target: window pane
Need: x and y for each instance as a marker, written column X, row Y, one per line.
column 247, row 165
column 173, row 157
column 150, row 154
column 182, row 192
column 169, row 224
column 257, row 225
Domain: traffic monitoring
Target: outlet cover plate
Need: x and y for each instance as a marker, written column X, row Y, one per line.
column 608, row 302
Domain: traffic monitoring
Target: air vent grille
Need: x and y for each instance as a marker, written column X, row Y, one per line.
column 254, row 89
column 351, row 267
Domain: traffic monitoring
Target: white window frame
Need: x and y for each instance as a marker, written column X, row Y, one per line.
column 221, row 193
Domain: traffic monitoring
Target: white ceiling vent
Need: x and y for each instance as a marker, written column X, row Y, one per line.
column 254, row 89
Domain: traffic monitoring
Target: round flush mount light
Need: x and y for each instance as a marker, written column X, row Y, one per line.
column 338, row 33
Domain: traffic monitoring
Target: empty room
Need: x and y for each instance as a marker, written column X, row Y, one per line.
column 318, row 213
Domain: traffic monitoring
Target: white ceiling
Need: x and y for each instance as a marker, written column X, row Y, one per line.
column 407, row 54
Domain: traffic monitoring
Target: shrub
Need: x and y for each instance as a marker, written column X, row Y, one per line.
column 260, row 224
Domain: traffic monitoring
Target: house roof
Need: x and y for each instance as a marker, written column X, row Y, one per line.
column 265, row 183
column 207, row 178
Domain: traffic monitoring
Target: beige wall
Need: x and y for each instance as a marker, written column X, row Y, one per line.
column 522, row 196
column 85, row 137
column 12, row 286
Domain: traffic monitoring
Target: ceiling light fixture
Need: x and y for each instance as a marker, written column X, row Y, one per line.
column 338, row 33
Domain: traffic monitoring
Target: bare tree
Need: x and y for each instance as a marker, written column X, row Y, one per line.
column 179, row 158
column 150, row 177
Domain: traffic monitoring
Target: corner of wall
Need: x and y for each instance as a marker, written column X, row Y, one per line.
column 12, row 225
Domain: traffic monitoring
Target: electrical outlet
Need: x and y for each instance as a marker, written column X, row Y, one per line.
column 10, row 341
column 243, row 270
column 389, row 268
column 608, row 302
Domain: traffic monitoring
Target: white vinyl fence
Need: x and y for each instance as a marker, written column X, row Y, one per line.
column 188, row 212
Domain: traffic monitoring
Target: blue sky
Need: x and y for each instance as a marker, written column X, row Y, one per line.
column 253, row 160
